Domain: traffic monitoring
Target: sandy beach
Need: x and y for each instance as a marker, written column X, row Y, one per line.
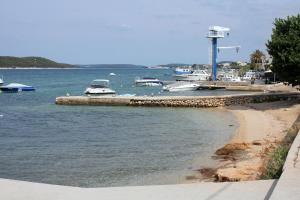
column 261, row 128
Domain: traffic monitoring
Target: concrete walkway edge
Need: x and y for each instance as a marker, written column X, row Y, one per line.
column 288, row 186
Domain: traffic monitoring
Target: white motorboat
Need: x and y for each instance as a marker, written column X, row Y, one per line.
column 148, row 81
column 183, row 70
column 177, row 87
column 112, row 74
column 197, row 75
column 16, row 87
column 99, row 87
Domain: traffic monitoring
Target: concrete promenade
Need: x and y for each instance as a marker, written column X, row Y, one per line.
column 20, row 190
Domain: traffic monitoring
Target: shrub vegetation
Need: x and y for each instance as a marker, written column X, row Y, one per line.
column 284, row 47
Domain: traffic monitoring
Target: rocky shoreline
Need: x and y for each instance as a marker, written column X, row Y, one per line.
column 262, row 128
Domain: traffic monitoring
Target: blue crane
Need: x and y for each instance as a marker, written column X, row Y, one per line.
column 215, row 32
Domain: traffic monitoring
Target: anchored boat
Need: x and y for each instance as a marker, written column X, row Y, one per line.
column 197, row 75
column 177, row 87
column 148, row 81
column 183, row 70
column 99, row 87
column 16, row 87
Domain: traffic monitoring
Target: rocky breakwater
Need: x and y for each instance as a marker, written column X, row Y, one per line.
column 176, row 101
column 212, row 101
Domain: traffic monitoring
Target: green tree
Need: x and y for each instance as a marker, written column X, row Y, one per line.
column 257, row 59
column 284, row 47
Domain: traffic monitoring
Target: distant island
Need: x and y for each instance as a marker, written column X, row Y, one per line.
column 30, row 62
column 112, row 66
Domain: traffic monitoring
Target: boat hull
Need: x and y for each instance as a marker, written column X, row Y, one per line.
column 190, row 87
column 182, row 89
column 99, row 91
column 11, row 90
column 148, row 83
column 15, row 89
column 182, row 71
column 191, row 77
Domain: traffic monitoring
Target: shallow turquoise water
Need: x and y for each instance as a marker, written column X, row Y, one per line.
column 102, row 146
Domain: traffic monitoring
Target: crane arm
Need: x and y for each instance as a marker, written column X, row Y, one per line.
column 219, row 28
column 237, row 48
column 229, row 47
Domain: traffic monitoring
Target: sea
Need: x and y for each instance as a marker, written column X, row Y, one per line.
column 104, row 146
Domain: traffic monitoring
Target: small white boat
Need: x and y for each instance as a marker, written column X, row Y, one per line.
column 16, row 87
column 99, row 87
column 183, row 70
column 197, row 75
column 112, row 74
column 156, row 67
column 177, row 87
column 148, row 81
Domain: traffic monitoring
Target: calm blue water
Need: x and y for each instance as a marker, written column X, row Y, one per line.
column 102, row 146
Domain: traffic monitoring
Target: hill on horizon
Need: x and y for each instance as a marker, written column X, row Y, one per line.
column 31, row 61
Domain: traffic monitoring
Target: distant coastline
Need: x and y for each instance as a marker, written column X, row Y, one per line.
column 10, row 62
column 37, row 68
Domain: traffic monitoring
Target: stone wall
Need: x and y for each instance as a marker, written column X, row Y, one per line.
column 216, row 101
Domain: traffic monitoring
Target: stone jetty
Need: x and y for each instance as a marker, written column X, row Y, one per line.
column 176, row 101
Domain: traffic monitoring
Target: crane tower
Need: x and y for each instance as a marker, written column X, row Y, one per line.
column 215, row 32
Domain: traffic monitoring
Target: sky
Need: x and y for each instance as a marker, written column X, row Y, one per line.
column 146, row 32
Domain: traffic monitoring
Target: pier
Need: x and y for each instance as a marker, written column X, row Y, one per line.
column 176, row 101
